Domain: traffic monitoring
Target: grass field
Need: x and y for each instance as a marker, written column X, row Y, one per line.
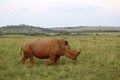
column 99, row 59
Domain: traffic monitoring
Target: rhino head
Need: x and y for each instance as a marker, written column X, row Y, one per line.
column 72, row 54
column 69, row 53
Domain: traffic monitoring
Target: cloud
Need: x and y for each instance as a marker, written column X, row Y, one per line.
column 38, row 6
column 59, row 12
column 107, row 4
column 17, row 6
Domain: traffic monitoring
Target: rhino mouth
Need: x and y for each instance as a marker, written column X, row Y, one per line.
column 72, row 54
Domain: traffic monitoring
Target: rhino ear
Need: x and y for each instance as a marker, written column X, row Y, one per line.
column 79, row 51
column 66, row 42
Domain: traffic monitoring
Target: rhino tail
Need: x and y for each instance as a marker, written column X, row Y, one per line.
column 21, row 50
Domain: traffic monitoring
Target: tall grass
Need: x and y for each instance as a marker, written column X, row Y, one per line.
column 99, row 59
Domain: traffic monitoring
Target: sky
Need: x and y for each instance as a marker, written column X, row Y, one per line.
column 60, row 13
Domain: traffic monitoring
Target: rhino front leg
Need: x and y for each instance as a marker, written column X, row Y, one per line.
column 52, row 59
column 31, row 60
column 56, row 60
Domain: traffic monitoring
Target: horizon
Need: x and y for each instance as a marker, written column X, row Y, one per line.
column 58, row 26
column 60, row 13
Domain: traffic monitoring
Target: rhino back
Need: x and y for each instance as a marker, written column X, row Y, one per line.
column 42, row 49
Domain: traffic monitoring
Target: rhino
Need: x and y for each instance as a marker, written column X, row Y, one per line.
column 48, row 49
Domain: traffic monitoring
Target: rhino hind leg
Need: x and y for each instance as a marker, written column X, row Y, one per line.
column 24, row 59
column 27, row 54
column 31, row 60
column 30, row 56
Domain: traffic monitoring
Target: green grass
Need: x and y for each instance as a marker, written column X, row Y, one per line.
column 99, row 59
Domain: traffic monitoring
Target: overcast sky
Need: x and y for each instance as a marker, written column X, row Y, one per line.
column 59, row 13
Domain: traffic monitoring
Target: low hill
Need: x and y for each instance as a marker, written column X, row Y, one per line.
column 24, row 29
column 88, row 29
column 32, row 30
